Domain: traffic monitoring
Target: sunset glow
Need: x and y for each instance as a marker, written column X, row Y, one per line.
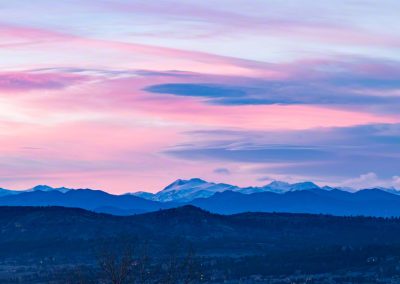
column 130, row 95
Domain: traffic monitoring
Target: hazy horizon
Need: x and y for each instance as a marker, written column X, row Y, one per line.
column 266, row 183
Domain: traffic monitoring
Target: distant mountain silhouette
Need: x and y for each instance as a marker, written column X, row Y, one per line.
column 49, row 188
column 4, row 192
column 95, row 200
column 304, row 197
column 41, row 187
column 369, row 202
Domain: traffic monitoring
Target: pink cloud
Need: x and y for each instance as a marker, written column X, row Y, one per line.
column 142, row 56
column 126, row 96
column 106, row 132
column 23, row 81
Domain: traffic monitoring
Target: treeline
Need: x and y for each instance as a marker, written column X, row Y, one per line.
column 189, row 245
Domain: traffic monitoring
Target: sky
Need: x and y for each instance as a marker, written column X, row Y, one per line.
column 129, row 95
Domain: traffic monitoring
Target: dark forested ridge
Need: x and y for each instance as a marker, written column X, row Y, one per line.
column 234, row 246
column 31, row 223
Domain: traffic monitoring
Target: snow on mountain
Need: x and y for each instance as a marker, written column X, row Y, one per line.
column 5, row 192
column 187, row 190
column 279, row 187
column 303, row 186
column 142, row 194
column 180, row 184
column 390, row 190
column 329, row 188
column 48, row 188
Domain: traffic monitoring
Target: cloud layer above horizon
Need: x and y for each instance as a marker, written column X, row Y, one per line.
column 125, row 95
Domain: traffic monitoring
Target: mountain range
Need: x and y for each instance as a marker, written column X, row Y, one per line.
column 306, row 197
column 4, row 192
column 188, row 190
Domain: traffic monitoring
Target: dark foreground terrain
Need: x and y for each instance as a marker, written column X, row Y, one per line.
column 189, row 245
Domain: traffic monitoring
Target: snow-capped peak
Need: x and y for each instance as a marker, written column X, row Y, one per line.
column 276, row 185
column 280, row 187
column 187, row 190
column 304, row 186
column 180, row 184
column 48, row 188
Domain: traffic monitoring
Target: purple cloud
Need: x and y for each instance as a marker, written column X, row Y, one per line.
column 325, row 152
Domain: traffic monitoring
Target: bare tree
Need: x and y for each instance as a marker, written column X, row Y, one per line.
column 189, row 267
column 143, row 266
column 128, row 265
column 116, row 267
column 181, row 269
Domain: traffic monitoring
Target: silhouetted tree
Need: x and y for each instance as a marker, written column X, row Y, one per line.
column 117, row 267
